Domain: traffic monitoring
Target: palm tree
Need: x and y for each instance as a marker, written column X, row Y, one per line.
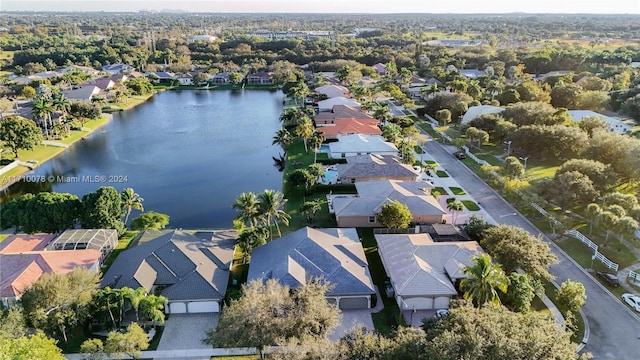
column 483, row 281
column 248, row 208
column 627, row 225
column 62, row 104
column 130, row 200
column 608, row 220
column 382, row 113
column 282, row 138
column 135, row 297
column 455, row 207
column 251, row 238
column 316, row 139
column 270, row 204
column 42, row 109
column 305, row 130
column 593, row 210
column 152, row 307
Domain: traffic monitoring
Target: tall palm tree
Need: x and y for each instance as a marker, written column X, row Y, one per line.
column 135, row 296
column 130, row 200
column 283, row 138
column 455, row 207
column 42, row 109
column 248, row 208
column 152, row 307
column 382, row 113
column 271, row 204
column 627, row 225
column 305, row 130
column 62, row 104
column 609, row 221
column 593, row 210
column 483, row 281
column 316, row 139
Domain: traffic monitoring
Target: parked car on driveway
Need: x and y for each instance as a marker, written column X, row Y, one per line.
column 632, row 300
column 611, row 279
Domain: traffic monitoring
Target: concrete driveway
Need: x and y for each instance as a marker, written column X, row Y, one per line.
column 186, row 331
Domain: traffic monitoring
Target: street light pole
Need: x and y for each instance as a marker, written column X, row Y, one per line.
column 525, row 162
column 508, row 143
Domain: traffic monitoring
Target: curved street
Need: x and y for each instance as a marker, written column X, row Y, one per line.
column 614, row 328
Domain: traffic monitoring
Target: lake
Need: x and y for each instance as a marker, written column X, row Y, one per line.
column 189, row 154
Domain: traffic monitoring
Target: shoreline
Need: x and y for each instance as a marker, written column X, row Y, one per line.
column 15, row 175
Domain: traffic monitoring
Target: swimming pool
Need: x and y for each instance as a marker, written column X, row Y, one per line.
column 330, row 177
column 324, row 148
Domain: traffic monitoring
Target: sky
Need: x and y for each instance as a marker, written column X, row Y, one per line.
column 333, row 6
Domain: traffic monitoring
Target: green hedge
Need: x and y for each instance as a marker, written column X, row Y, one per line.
column 332, row 161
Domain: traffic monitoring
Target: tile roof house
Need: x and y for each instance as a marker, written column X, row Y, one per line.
column 362, row 210
column 424, row 273
column 333, row 91
column 327, row 105
column 83, row 93
column 336, row 255
column 220, row 78
column 340, row 112
column 380, row 68
column 260, row 78
column 375, row 167
column 190, row 270
column 113, row 69
column 349, row 127
column 25, row 258
column 358, row 144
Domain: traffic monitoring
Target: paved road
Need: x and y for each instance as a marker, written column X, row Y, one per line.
column 614, row 329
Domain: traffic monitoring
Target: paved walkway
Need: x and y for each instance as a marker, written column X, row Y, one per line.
column 191, row 354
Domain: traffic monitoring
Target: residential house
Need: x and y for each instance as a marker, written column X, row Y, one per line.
column 120, row 78
column 83, row 93
column 477, row 111
column 220, row 78
column 89, row 70
column 332, row 91
column 327, row 105
column 113, row 69
column 362, row 210
column 185, row 79
column 340, row 112
column 203, row 38
column 335, row 255
column 424, row 273
column 342, row 127
column 358, row 144
column 374, row 167
column 25, row 258
column 260, row 78
column 615, row 125
column 190, row 270
column 163, row 76
column 102, row 83
column 471, row 73
column 380, row 68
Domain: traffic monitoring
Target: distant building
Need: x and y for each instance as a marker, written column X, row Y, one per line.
column 117, row 69
column 454, row 42
column 615, row 125
column 279, row 35
column 204, row 38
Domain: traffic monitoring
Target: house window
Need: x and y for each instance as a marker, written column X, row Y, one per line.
column 344, row 155
column 372, row 219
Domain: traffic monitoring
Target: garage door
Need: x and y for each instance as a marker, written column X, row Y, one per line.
column 203, row 307
column 419, row 303
column 177, row 308
column 441, row 302
column 354, row 303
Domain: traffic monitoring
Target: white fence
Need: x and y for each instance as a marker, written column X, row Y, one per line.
column 596, row 256
column 6, row 168
column 634, row 275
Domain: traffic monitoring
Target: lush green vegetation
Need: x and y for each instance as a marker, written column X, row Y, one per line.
column 442, row 173
column 456, row 190
column 470, row 205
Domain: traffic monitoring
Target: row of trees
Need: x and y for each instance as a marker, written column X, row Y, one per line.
column 52, row 212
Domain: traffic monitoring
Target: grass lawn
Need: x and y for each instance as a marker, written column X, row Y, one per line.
column 3, row 237
column 440, row 190
column 389, row 317
column 470, row 205
column 442, row 173
column 457, row 190
column 123, row 244
column 550, row 290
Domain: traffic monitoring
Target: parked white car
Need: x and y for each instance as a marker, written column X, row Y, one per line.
column 632, row 300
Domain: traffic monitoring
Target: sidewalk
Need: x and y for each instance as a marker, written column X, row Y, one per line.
column 180, row 354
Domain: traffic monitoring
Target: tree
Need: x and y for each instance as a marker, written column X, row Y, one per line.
column 609, row 221
column 478, row 135
column 283, row 138
column 56, row 303
column 235, row 78
column 134, row 296
column 18, row 133
column 382, row 113
column 12, row 323
column 484, row 281
column 520, row 292
column 627, row 226
column 455, row 206
column 592, row 100
column 102, row 209
column 443, row 116
column 531, row 113
column 620, row 151
column 394, row 215
column 476, row 227
column 601, row 175
column 251, row 238
column 514, row 249
column 270, row 205
column 36, row 346
column 130, row 200
column 494, row 332
column 512, row 167
column 152, row 308
column 391, row 133
column 311, row 207
column 93, row 347
column 150, row 220
column 565, row 96
column 571, row 297
column 268, row 313
column 247, row 207
column 592, row 210
column 569, row 189
column 302, row 178
column 316, row 139
column 44, row 212
column 42, row 109
column 130, row 343
column 83, row 111
column 304, row 130
column 140, row 86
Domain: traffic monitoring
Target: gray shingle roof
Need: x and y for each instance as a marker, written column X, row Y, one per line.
column 334, row 254
column 193, row 267
column 374, row 166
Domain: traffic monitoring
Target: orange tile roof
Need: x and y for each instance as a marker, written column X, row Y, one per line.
column 16, row 244
column 347, row 127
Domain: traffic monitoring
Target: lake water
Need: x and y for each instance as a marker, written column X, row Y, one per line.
column 189, row 154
